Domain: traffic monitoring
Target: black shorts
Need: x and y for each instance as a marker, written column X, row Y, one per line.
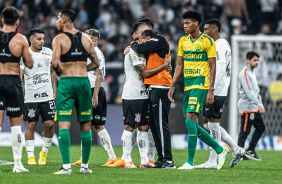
column 135, row 112
column 11, row 95
column 46, row 109
column 215, row 109
column 100, row 112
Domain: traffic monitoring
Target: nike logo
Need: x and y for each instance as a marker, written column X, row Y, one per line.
column 155, row 105
column 59, row 138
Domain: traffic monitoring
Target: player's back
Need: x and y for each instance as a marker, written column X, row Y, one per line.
column 11, row 50
column 134, row 87
column 73, row 53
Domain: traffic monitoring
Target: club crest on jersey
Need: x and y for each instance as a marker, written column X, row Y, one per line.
column 198, row 47
column 137, row 118
column 31, row 113
column 46, row 62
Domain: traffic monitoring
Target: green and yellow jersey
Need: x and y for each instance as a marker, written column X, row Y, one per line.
column 195, row 55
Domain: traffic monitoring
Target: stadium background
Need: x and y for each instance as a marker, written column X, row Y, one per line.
column 114, row 19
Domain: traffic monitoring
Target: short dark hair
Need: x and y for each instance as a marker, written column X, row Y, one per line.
column 36, row 30
column 135, row 27
column 251, row 54
column 70, row 14
column 147, row 21
column 193, row 15
column 93, row 32
column 149, row 33
column 10, row 15
column 215, row 22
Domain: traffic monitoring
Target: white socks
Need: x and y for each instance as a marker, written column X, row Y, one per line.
column 126, row 140
column 29, row 146
column 152, row 148
column 17, row 144
column 106, row 142
column 134, row 137
column 143, row 145
column 225, row 137
column 216, row 135
column 46, row 144
column 0, row 129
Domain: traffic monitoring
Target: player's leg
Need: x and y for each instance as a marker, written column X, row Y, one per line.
column 31, row 116
column 64, row 105
column 134, row 137
column 246, row 125
column 152, row 147
column 47, row 141
column 1, row 118
column 143, row 145
column 84, row 116
column 2, row 108
column 259, row 129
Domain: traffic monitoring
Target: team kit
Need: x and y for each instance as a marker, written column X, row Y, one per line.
column 204, row 60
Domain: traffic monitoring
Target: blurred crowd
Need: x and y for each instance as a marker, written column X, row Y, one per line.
column 114, row 19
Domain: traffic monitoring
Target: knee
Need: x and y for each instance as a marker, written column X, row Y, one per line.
column 261, row 128
column 190, row 123
column 31, row 126
column 98, row 128
column 49, row 126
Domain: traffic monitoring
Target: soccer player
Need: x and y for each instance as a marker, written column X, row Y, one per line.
column 40, row 89
column 72, row 48
column 156, row 49
column 135, row 102
column 196, row 58
column 96, row 78
column 250, row 106
column 13, row 46
column 212, row 112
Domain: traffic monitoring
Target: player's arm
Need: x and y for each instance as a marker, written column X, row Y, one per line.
column 21, row 68
column 153, row 71
column 57, row 51
column 54, row 82
column 155, row 43
column 221, row 62
column 27, row 59
column 98, row 82
column 246, row 83
column 92, row 53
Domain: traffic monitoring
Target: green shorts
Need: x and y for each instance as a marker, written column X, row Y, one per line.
column 194, row 100
column 74, row 91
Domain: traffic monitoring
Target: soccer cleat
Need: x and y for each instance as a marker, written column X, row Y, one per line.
column 151, row 162
column 77, row 162
column 252, row 155
column 20, row 169
column 31, row 161
column 206, row 165
column 168, row 165
column 186, row 166
column 148, row 165
column 64, row 171
column 110, row 161
column 84, row 170
column 221, row 158
column 236, row 156
column 130, row 165
column 119, row 163
column 158, row 164
column 42, row 158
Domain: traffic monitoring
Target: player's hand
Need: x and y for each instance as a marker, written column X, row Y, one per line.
column 126, row 50
column 169, row 68
column 167, row 61
column 261, row 109
column 95, row 102
column 210, row 97
column 170, row 94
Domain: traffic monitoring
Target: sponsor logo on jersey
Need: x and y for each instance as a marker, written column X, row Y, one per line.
column 192, row 100
column 76, row 53
column 103, row 119
column 13, row 109
column 137, row 118
column 198, row 47
column 38, row 78
column 39, row 65
column 39, row 95
column 5, row 54
column 43, row 53
column 31, row 113
column 193, row 56
column 252, row 116
column 65, row 112
column 86, row 112
column 192, row 71
column 192, row 107
column 97, row 117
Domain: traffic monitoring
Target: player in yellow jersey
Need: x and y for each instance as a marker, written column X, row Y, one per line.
column 197, row 60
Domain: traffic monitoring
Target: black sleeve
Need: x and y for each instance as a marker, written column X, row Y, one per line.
column 156, row 43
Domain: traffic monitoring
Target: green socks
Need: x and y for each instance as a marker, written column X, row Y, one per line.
column 206, row 138
column 86, row 140
column 192, row 139
column 64, row 143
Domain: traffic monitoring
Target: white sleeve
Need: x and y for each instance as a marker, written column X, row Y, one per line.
column 22, row 66
column 134, row 58
column 221, row 54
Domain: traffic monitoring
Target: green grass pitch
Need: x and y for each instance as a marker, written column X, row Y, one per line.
column 267, row 171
